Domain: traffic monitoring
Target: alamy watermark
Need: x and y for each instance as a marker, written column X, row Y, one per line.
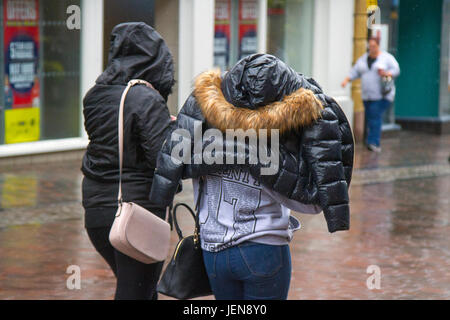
column 374, row 17
column 73, row 282
column 374, row 280
column 238, row 147
column 73, row 21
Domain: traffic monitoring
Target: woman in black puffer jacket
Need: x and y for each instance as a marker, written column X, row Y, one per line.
column 244, row 217
column 137, row 52
column 261, row 92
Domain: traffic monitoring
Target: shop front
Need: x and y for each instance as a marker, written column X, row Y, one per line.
column 40, row 69
column 51, row 52
column 49, row 59
column 283, row 28
column 423, row 99
column 292, row 30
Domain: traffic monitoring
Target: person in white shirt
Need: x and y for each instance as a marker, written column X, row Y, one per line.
column 377, row 69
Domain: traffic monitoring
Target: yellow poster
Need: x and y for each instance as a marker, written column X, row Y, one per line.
column 21, row 125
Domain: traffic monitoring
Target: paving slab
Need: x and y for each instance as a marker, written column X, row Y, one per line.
column 400, row 211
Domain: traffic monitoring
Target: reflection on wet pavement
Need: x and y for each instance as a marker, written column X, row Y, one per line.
column 407, row 149
column 40, row 194
column 402, row 227
column 400, row 222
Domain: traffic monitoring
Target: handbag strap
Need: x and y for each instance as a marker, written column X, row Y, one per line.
column 120, row 133
column 120, row 129
column 195, row 214
column 174, row 213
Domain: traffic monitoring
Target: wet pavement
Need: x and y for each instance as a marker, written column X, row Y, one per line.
column 400, row 212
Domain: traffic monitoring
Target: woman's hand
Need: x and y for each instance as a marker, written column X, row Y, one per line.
column 383, row 73
column 344, row 83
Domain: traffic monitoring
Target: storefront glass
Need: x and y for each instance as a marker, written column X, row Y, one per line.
column 290, row 32
column 40, row 67
column 444, row 92
column 235, row 31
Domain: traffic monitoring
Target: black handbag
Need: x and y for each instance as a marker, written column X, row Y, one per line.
column 185, row 276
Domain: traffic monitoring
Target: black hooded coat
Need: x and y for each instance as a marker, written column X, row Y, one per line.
column 137, row 51
column 261, row 92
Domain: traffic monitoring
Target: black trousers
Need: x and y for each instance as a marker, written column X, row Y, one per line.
column 135, row 280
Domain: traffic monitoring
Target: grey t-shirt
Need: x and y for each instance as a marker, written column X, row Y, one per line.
column 235, row 208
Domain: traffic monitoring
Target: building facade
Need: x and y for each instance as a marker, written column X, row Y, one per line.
column 53, row 50
column 423, row 99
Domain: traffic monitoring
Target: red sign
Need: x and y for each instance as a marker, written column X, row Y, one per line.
column 222, row 34
column 21, row 45
column 248, row 26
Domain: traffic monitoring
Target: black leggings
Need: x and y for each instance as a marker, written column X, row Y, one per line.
column 135, row 280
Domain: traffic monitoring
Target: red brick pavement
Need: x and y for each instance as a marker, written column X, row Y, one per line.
column 401, row 226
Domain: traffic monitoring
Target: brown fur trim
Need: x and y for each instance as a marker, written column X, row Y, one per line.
column 299, row 109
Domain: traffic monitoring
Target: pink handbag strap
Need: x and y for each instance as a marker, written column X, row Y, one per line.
column 120, row 127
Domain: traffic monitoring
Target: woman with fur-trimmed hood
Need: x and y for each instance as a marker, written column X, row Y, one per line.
column 245, row 222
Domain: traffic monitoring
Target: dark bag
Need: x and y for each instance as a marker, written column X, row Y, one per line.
column 387, row 84
column 185, row 276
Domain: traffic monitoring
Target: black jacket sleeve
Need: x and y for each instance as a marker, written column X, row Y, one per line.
column 169, row 171
column 323, row 151
column 153, row 121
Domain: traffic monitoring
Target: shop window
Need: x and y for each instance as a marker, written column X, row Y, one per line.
column 290, row 32
column 40, row 68
column 235, row 32
column 444, row 99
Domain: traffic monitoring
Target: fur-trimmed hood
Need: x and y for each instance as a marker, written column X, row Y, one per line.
column 314, row 164
column 295, row 110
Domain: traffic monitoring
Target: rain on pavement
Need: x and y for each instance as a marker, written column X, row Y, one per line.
column 400, row 210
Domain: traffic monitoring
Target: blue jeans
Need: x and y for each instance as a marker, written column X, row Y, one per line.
column 249, row 271
column 374, row 119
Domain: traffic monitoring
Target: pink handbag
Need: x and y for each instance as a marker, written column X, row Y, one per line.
column 137, row 232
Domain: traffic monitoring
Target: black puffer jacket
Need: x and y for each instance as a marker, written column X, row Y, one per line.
column 316, row 149
column 137, row 52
